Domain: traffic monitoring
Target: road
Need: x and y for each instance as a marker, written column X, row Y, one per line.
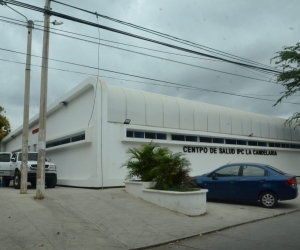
column 281, row 232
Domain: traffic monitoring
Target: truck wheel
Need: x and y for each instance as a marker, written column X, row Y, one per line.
column 17, row 180
column 51, row 183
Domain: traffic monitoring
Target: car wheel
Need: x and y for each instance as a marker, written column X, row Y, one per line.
column 17, row 180
column 268, row 199
column 51, row 183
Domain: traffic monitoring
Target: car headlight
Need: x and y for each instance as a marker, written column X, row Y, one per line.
column 53, row 167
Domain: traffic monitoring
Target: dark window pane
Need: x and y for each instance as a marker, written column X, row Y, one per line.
column 229, row 141
column 161, row 136
column 178, row 137
column 293, row 146
column 239, row 142
column 56, row 143
column 206, row 139
column 271, row 144
column 218, row 140
column 283, row 145
column 78, row 138
column 252, row 143
column 228, row 171
column 49, row 145
column 31, row 157
column 129, row 134
column 138, row 134
column 65, row 141
column 277, row 145
column 149, row 135
column 4, row 157
column 262, row 144
column 190, row 138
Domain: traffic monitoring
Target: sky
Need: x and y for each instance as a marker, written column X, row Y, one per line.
column 254, row 30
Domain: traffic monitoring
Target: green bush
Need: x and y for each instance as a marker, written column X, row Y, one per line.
column 169, row 170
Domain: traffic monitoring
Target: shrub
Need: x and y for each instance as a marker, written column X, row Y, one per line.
column 169, row 170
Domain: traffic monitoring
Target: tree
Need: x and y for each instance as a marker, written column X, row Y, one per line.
column 4, row 124
column 289, row 61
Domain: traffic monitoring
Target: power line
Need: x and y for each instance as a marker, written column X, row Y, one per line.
column 161, row 58
column 49, row 12
column 157, row 80
column 211, row 50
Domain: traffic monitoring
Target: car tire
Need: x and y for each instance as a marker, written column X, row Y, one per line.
column 17, row 180
column 268, row 199
column 51, row 183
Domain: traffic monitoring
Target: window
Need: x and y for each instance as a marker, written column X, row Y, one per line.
column 149, row 135
column 178, row 137
column 161, row 136
column 129, row 133
column 262, row 144
column 285, row 145
column 78, row 138
column 239, row 142
column 252, row 143
column 228, row 171
column 191, row 138
column 277, row 145
column 253, row 171
column 293, row 146
column 34, row 148
column 218, row 140
column 138, row 134
column 31, row 157
column 206, row 139
column 229, row 141
column 64, row 141
column 4, row 157
column 271, row 144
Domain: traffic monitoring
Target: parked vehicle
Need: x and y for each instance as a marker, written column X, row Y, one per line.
column 249, row 182
column 10, row 169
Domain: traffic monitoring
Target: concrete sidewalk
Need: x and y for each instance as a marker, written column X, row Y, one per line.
column 72, row 218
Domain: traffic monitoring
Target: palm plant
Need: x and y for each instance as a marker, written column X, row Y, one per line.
column 158, row 164
column 141, row 161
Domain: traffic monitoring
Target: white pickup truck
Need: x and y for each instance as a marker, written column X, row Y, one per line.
column 10, row 169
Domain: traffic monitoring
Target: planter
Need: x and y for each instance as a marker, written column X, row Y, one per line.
column 188, row 203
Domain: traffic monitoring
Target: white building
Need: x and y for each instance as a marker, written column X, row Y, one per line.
column 87, row 137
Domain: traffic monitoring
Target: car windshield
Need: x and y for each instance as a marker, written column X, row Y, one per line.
column 31, row 157
column 276, row 170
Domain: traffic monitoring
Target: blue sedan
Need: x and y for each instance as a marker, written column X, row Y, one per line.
column 249, row 182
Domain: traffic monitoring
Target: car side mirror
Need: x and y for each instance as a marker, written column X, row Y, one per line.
column 13, row 159
column 214, row 176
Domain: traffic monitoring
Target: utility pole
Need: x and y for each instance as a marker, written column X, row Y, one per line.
column 40, row 176
column 23, row 188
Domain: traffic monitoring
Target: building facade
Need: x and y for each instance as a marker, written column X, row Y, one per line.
column 87, row 137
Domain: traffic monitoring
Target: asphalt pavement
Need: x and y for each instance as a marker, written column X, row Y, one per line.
column 278, row 233
column 75, row 218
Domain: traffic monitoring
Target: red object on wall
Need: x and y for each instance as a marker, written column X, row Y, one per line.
column 35, row 131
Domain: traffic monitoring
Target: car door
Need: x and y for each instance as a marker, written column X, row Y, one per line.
column 5, row 164
column 252, row 180
column 221, row 183
column 13, row 164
